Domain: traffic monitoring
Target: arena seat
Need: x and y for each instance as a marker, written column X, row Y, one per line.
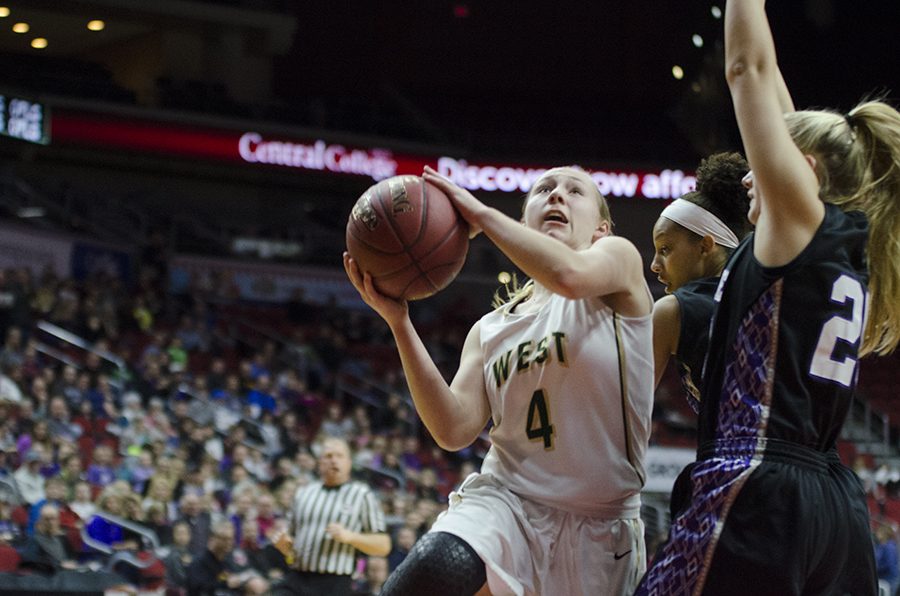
column 847, row 452
column 9, row 558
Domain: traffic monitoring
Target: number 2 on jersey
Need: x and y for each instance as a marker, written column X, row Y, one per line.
column 824, row 365
column 537, row 424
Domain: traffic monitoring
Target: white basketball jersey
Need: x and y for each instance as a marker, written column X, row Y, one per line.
column 571, row 392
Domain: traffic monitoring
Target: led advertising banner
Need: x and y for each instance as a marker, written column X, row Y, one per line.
column 23, row 119
column 255, row 149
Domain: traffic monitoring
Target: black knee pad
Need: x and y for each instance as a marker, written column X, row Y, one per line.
column 440, row 564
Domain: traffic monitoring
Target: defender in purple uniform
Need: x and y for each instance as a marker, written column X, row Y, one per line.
column 814, row 288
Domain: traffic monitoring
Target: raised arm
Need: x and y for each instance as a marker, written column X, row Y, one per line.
column 784, row 182
column 784, row 96
column 453, row 415
column 610, row 268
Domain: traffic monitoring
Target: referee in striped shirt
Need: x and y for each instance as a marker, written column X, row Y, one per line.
column 329, row 521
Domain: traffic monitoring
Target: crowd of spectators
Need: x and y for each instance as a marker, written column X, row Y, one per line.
column 165, row 412
column 174, row 413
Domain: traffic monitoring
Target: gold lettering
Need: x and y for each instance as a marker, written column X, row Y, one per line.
column 529, row 352
column 501, row 368
column 560, row 338
column 524, row 352
column 542, row 352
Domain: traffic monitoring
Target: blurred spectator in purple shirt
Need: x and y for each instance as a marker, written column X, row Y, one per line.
column 100, row 472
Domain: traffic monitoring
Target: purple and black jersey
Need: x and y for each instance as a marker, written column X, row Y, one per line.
column 769, row 498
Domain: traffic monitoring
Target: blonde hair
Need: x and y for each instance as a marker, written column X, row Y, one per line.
column 858, row 167
column 513, row 290
column 110, row 493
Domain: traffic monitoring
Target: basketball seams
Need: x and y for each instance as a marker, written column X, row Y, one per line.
column 454, row 264
column 372, row 248
column 387, row 216
column 426, row 274
column 431, row 258
column 395, row 227
column 407, row 247
column 424, row 205
column 358, row 230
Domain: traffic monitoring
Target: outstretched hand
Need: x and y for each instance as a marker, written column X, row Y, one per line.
column 468, row 206
column 390, row 309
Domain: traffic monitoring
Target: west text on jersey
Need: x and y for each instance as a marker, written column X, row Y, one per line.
column 540, row 352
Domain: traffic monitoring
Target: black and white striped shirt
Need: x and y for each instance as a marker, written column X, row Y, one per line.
column 352, row 504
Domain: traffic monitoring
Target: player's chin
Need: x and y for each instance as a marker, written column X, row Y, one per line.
column 554, row 231
column 753, row 211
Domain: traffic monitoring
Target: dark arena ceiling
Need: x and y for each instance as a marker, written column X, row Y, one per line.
column 584, row 78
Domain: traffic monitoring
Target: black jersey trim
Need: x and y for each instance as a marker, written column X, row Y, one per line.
column 623, row 386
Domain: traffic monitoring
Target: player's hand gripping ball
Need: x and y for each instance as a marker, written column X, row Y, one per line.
column 408, row 236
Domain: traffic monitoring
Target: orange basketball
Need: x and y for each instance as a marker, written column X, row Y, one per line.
column 408, row 236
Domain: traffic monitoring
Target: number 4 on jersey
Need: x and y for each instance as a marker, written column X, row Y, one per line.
column 537, row 425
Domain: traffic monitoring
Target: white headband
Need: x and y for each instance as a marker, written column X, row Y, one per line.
column 700, row 221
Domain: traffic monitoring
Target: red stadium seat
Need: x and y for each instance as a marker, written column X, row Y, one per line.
column 86, row 449
column 847, row 452
column 19, row 515
column 9, row 558
column 892, row 510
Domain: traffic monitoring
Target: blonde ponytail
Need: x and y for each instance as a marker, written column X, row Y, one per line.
column 858, row 166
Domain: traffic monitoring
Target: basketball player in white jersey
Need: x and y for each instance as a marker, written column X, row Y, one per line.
column 564, row 371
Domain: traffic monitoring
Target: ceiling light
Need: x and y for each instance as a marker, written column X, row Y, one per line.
column 39, row 43
column 697, row 40
column 96, row 25
column 716, row 12
column 4, row 12
column 21, row 28
column 677, row 72
column 504, row 277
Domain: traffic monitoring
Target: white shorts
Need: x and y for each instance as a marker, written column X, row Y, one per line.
column 531, row 549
